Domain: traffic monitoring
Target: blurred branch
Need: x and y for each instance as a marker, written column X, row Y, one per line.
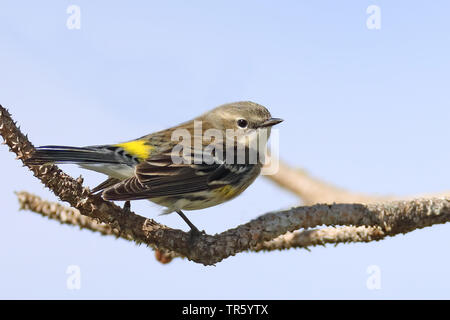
column 391, row 217
column 312, row 190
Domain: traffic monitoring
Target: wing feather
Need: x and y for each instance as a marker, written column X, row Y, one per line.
column 161, row 177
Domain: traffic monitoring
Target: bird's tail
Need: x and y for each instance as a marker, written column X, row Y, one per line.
column 87, row 155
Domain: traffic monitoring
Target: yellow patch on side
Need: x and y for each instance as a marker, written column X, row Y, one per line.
column 137, row 148
column 228, row 192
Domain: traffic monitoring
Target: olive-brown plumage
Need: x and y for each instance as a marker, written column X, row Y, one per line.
column 199, row 175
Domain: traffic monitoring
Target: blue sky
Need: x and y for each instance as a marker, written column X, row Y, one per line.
column 365, row 109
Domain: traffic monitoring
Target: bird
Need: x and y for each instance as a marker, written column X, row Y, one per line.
column 219, row 156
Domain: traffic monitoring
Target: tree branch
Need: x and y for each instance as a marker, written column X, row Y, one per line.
column 391, row 217
column 302, row 239
column 312, row 190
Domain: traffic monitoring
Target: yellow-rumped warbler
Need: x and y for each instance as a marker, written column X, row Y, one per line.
column 219, row 157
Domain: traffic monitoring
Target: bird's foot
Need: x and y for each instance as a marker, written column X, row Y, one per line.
column 195, row 234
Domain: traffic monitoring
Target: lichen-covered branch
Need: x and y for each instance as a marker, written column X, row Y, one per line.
column 61, row 213
column 315, row 237
column 392, row 217
column 297, row 239
column 71, row 216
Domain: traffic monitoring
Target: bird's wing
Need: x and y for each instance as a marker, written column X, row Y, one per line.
column 159, row 176
column 105, row 184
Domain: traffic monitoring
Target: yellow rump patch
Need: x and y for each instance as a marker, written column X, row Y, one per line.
column 228, row 192
column 138, row 148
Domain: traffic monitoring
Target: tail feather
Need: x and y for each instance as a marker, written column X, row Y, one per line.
column 87, row 155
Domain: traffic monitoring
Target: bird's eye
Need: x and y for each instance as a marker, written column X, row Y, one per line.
column 242, row 123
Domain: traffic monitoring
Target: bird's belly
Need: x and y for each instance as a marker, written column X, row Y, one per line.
column 202, row 199
column 190, row 201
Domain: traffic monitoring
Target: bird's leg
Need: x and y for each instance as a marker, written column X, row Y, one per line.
column 194, row 231
column 127, row 207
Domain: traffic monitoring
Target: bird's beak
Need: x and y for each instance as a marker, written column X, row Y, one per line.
column 271, row 122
